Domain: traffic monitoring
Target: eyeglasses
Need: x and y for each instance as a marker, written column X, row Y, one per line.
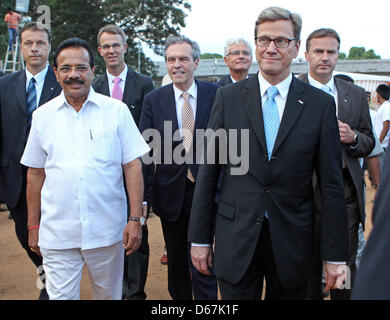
column 238, row 52
column 280, row 42
column 115, row 46
column 79, row 69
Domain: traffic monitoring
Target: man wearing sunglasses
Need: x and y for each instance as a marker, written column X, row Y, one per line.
column 238, row 57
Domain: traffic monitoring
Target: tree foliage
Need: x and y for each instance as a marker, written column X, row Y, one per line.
column 149, row 21
column 359, row 53
column 211, row 56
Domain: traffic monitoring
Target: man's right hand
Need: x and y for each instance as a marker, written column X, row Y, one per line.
column 202, row 258
column 33, row 241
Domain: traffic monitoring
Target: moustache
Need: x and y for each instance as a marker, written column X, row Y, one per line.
column 71, row 81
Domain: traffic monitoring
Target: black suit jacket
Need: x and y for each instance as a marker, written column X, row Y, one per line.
column 13, row 122
column 167, row 186
column 224, row 80
column 136, row 87
column 307, row 141
column 353, row 109
column 372, row 281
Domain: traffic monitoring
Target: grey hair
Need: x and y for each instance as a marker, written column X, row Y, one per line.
column 174, row 40
column 277, row 13
column 230, row 42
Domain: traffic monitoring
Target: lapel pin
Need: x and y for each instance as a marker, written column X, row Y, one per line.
column 300, row 101
column 345, row 100
column 132, row 107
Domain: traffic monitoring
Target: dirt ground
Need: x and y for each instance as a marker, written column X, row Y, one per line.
column 18, row 277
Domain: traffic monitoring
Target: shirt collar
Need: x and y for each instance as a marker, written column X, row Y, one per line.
column 123, row 75
column 283, row 87
column 39, row 77
column 319, row 85
column 92, row 97
column 192, row 91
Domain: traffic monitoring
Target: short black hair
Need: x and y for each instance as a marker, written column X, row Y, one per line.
column 9, row 9
column 74, row 43
column 384, row 91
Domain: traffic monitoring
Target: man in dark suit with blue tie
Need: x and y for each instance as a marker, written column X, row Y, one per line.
column 20, row 94
column 179, row 109
column 264, row 225
column 238, row 57
column 130, row 87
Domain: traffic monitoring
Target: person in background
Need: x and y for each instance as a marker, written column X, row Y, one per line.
column 130, row 87
column 20, row 94
column 238, row 57
column 382, row 119
column 12, row 19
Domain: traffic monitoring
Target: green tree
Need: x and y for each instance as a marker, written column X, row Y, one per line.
column 358, row 53
column 342, row 56
column 149, row 21
column 210, row 56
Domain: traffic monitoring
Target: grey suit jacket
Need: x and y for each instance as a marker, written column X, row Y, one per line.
column 13, row 129
column 353, row 109
column 136, row 87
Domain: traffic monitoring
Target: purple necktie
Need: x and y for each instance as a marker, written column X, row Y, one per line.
column 117, row 91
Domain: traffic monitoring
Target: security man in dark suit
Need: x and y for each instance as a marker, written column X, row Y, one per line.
column 181, row 108
column 20, row 94
column 238, row 57
column 357, row 141
column 122, row 83
column 264, row 225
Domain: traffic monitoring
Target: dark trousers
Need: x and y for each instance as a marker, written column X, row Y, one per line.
column 19, row 215
column 183, row 278
column 314, row 290
column 136, row 270
column 262, row 267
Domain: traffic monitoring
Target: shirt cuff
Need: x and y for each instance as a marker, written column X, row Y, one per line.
column 336, row 262
column 200, row 244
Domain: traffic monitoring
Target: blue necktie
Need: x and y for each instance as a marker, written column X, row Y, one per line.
column 271, row 119
column 31, row 103
column 327, row 89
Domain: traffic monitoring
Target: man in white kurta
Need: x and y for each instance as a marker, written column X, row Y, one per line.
column 83, row 152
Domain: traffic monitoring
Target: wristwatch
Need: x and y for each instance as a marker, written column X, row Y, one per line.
column 140, row 220
column 355, row 142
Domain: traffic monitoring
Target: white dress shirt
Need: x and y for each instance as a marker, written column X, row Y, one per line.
column 179, row 101
column 111, row 78
column 83, row 202
column 39, row 81
column 332, row 86
column 281, row 97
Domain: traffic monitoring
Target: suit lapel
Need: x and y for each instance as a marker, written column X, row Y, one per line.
column 168, row 107
column 50, row 87
column 252, row 104
column 103, row 86
column 129, row 88
column 201, row 105
column 294, row 106
column 343, row 99
column 19, row 86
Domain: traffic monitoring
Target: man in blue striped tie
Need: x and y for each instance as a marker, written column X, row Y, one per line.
column 265, row 218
